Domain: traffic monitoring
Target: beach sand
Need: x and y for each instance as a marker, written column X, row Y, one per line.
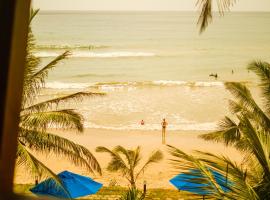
column 156, row 176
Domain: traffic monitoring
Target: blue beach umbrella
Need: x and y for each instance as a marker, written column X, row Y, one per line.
column 75, row 185
column 186, row 181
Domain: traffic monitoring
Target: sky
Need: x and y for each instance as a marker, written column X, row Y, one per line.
column 183, row 5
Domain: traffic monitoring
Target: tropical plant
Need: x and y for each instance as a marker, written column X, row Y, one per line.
column 249, row 132
column 132, row 194
column 206, row 10
column 239, row 181
column 37, row 117
column 126, row 161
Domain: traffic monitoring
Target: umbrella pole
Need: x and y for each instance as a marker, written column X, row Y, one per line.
column 203, row 197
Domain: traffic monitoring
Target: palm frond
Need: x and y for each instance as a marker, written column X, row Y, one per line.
column 155, row 157
column 116, row 163
column 206, row 11
column 259, row 143
column 262, row 70
column 65, row 119
column 33, row 13
column 183, row 161
column 46, row 143
column 54, row 102
column 36, row 81
column 129, row 155
column 229, row 132
column 239, row 189
column 236, row 174
column 41, row 74
column 245, row 99
column 26, row 159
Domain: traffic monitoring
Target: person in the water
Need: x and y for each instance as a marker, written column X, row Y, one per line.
column 214, row 75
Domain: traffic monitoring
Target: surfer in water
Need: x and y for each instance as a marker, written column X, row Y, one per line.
column 214, row 75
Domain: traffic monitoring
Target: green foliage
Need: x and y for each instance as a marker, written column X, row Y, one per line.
column 126, row 161
column 132, row 194
column 37, row 117
column 249, row 133
column 206, row 11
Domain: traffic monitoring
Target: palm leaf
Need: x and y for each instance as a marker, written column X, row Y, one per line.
column 25, row 158
column 240, row 190
column 229, row 132
column 206, row 11
column 47, row 143
column 66, row 119
column 262, row 70
column 259, row 143
column 155, row 157
column 183, row 161
column 245, row 99
column 116, row 163
column 54, row 102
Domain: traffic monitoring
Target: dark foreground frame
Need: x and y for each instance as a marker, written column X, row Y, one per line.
column 14, row 15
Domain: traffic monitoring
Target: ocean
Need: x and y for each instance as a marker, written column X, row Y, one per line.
column 151, row 65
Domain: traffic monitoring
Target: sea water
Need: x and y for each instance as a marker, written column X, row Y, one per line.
column 151, row 65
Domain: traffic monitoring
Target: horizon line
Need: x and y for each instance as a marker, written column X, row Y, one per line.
column 195, row 11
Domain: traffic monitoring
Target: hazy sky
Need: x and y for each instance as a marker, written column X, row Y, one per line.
column 241, row 5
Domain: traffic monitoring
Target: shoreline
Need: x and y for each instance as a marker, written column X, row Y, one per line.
column 156, row 176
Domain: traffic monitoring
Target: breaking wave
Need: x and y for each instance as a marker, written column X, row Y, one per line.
column 70, row 47
column 135, row 84
column 90, row 54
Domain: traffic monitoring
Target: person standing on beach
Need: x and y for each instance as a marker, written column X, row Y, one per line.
column 164, row 126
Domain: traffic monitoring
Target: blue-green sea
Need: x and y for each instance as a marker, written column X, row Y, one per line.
column 151, row 65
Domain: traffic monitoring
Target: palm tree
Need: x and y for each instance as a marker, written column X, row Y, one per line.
column 37, row 117
column 206, row 10
column 249, row 132
column 240, row 180
column 126, row 161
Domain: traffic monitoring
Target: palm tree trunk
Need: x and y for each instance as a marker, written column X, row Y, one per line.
column 132, row 181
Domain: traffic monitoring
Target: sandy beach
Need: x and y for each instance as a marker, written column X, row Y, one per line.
column 156, row 176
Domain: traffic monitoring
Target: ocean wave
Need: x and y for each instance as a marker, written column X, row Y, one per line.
column 61, row 85
column 110, row 86
column 97, row 75
column 90, row 54
column 70, row 47
column 207, row 126
column 159, row 83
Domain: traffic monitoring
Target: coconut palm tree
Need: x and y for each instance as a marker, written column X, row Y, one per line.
column 36, row 117
column 206, row 10
column 248, row 132
column 126, row 161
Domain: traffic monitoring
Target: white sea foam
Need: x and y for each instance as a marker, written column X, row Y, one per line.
column 207, row 126
column 113, row 86
column 208, row 84
column 61, row 85
column 168, row 83
column 90, row 54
